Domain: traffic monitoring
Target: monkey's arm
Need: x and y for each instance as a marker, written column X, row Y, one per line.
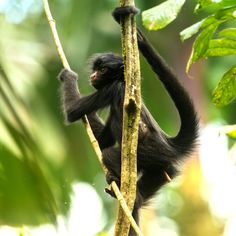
column 71, row 98
column 69, row 89
column 88, row 104
column 76, row 106
column 188, row 132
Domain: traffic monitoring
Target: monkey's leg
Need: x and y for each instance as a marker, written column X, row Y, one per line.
column 150, row 182
column 112, row 161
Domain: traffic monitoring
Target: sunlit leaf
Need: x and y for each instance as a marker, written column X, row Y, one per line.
column 221, row 47
column 229, row 33
column 190, row 31
column 230, row 130
column 225, row 91
column 160, row 16
column 201, row 44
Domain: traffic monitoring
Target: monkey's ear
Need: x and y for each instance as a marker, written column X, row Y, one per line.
column 67, row 74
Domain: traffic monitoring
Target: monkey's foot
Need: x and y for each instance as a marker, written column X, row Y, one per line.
column 110, row 192
column 110, row 178
column 120, row 12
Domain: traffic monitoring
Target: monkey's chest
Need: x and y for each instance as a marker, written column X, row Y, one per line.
column 116, row 123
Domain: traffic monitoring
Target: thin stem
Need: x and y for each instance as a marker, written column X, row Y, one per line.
column 52, row 24
column 125, row 208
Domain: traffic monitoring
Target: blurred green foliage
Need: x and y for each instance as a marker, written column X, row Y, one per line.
column 40, row 157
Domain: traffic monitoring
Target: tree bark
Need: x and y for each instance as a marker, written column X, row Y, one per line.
column 131, row 117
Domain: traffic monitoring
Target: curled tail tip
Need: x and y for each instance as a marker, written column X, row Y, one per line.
column 187, row 140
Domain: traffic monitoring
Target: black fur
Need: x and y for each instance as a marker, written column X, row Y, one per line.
column 157, row 153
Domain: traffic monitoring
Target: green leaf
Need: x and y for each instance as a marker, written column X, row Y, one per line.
column 201, row 44
column 203, row 4
column 226, row 14
column 225, row 91
column 193, row 29
column 229, row 33
column 213, row 5
column 230, row 130
column 160, row 16
column 218, row 18
column 221, row 47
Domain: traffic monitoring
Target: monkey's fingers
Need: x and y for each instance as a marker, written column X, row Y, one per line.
column 67, row 74
column 110, row 192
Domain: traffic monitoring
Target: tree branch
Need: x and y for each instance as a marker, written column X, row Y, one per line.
column 92, row 138
column 131, row 117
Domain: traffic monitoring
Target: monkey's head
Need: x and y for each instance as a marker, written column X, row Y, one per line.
column 106, row 68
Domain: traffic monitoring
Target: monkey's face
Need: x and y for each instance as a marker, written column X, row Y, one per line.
column 106, row 68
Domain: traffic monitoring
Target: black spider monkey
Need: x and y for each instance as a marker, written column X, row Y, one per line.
column 157, row 153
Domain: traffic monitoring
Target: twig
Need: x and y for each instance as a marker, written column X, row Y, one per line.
column 125, row 208
column 92, row 138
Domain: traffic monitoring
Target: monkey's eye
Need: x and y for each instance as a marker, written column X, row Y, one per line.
column 103, row 70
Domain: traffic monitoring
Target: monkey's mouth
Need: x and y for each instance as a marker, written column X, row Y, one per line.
column 93, row 77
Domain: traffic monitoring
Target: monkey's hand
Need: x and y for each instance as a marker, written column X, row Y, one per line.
column 66, row 74
column 121, row 12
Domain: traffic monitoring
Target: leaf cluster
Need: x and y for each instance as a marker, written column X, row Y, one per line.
column 214, row 37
